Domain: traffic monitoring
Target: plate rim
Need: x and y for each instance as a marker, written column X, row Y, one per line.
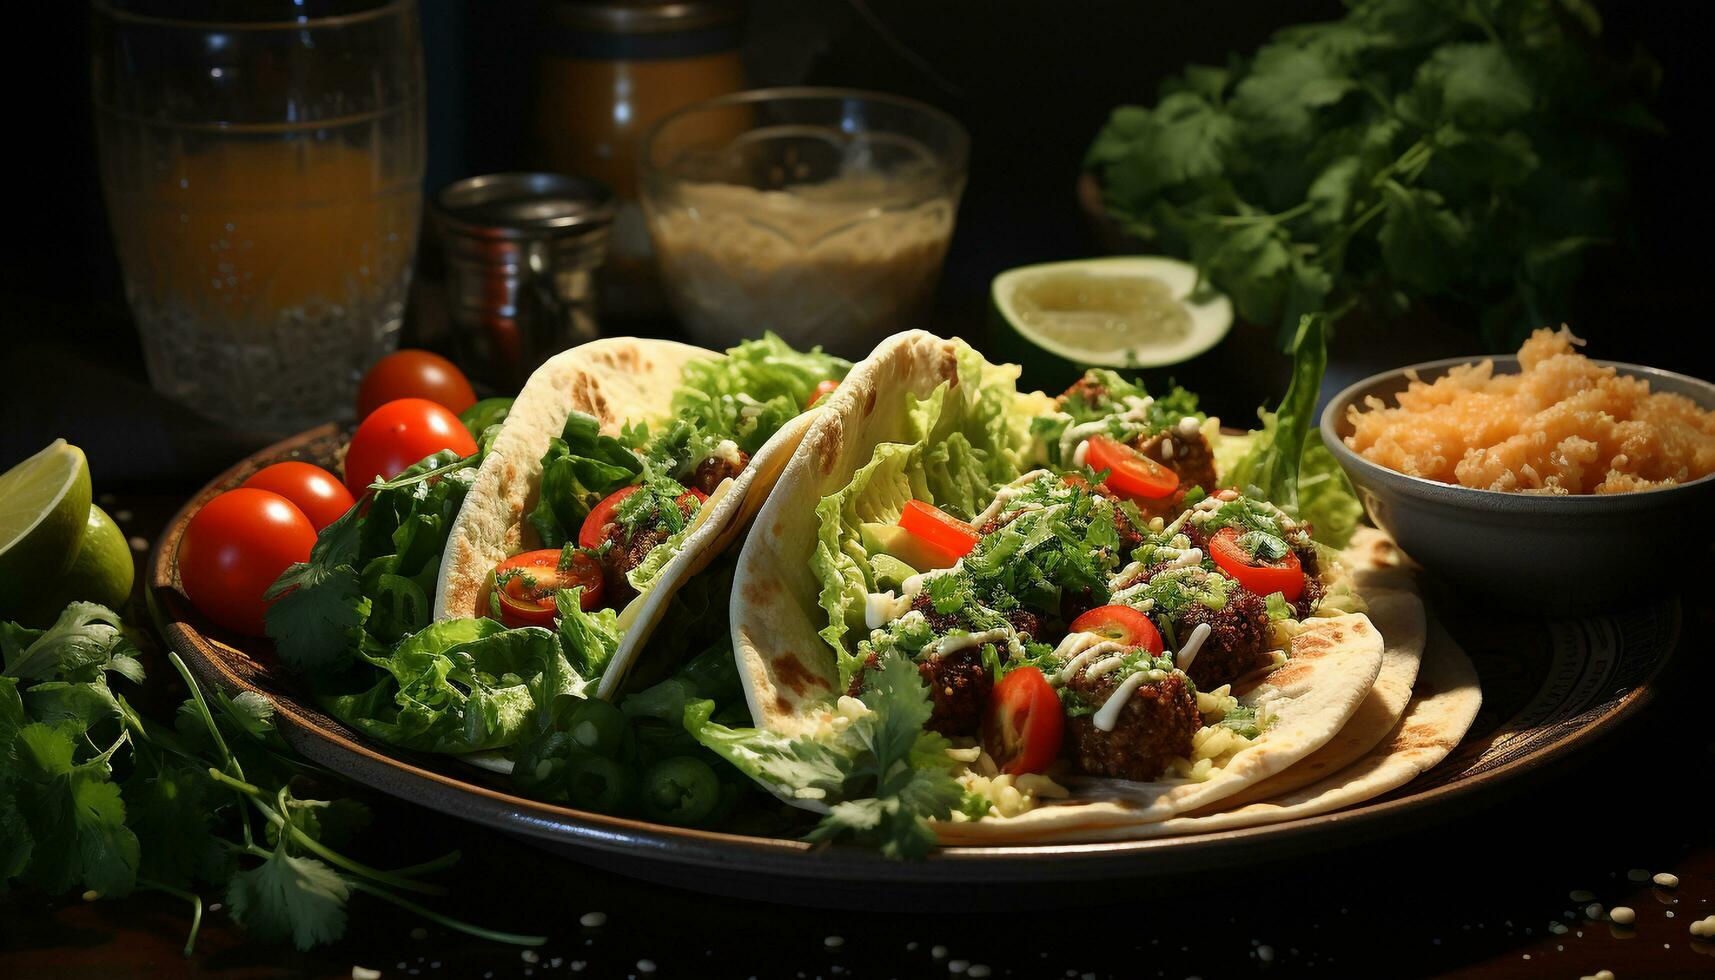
column 357, row 759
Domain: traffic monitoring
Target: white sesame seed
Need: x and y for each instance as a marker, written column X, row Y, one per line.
column 530, row 956
column 645, row 966
column 834, row 942
column 1558, row 928
column 977, row 970
column 1704, row 928
column 1593, row 910
column 1623, row 915
column 1667, row 880
column 1668, row 913
column 364, row 973
column 957, row 966
column 578, row 966
column 911, row 946
column 938, row 951
column 1265, row 953
column 593, row 920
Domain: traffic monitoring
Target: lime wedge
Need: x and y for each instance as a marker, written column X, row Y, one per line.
column 1124, row 312
column 102, row 572
column 44, row 508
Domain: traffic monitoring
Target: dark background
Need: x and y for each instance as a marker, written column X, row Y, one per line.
column 1032, row 80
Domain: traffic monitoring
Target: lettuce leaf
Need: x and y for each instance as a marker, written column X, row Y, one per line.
column 757, row 388
column 965, row 441
column 459, row 685
column 580, row 467
column 589, row 639
column 881, row 775
column 1292, row 469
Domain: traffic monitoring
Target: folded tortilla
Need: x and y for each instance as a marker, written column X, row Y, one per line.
column 1345, row 688
column 616, row 380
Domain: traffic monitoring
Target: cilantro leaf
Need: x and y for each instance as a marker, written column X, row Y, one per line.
column 290, row 896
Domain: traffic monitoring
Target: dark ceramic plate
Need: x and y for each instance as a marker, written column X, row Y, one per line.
column 1550, row 688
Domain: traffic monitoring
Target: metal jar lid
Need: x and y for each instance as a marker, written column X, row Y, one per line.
column 517, row 206
column 644, row 16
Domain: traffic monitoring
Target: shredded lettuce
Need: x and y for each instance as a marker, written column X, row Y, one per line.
column 965, row 440
column 757, row 388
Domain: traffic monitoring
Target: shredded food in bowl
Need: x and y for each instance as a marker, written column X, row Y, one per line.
column 1562, row 425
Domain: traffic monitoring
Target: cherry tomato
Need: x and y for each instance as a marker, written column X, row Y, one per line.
column 311, row 489
column 1122, row 624
column 414, row 374
column 823, row 390
column 594, row 530
column 938, row 530
column 1023, row 722
column 1285, row 575
column 1131, row 474
column 398, row 434
column 234, row 548
column 527, row 594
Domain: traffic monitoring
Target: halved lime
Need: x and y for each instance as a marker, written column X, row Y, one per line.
column 102, row 572
column 44, row 507
column 1124, row 312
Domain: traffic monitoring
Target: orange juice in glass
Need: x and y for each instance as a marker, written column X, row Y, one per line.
column 263, row 180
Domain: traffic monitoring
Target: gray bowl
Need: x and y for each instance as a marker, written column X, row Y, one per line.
column 1540, row 554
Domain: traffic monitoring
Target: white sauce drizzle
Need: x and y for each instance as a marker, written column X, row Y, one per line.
column 1166, row 449
column 1101, row 667
column 1188, row 652
column 1137, row 411
column 1189, row 426
column 726, row 449
column 1081, row 454
column 1109, row 714
column 953, row 644
column 1005, row 494
column 881, row 608
column 1079, row 649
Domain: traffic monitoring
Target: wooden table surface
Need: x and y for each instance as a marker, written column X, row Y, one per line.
column 1484, row 895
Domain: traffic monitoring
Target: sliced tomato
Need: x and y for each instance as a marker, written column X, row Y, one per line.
column 1023, row 723
column 1122, row 624
column 1285, row 575
column 594, row 530
column 823, row 390
column 526, row 583
column 1131, row 474
column 938, row 530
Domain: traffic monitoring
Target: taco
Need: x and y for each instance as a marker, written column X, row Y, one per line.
column 1037, row 618
column 625, row 467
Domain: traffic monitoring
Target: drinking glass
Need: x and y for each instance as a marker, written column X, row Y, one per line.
column 262, row 164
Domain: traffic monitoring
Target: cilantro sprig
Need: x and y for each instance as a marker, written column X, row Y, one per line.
column 96, row 796
column 1467, row 153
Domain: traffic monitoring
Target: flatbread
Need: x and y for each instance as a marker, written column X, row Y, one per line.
column 1442, row 709
column 615, row 380
column 1334, row 664
column 789, row 672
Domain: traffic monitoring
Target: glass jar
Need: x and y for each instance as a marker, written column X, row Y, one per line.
column 608, row 70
